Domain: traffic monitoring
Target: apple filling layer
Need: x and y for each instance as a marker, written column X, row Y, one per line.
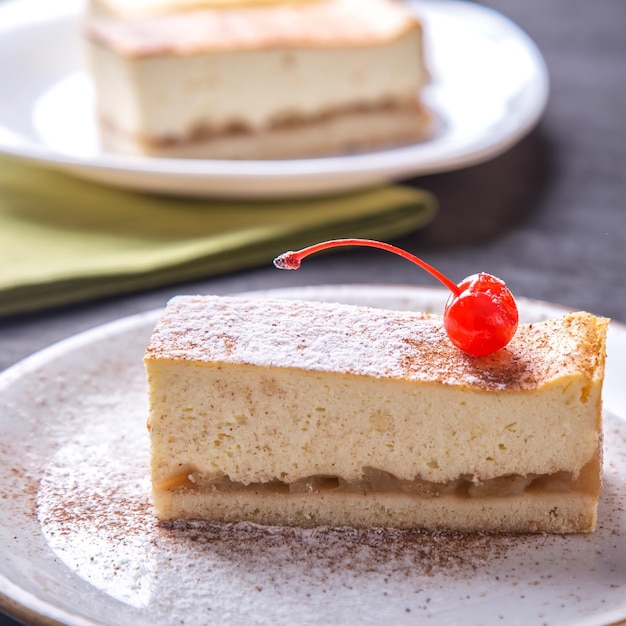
column 378, row 481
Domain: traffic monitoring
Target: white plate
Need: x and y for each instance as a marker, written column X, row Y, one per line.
column 489, row 88
column 79, row 544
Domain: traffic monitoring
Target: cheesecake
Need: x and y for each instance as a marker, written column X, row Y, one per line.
column 256, row 80
column 305, row 414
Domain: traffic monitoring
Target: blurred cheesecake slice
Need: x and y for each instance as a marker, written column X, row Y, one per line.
column 254, row 79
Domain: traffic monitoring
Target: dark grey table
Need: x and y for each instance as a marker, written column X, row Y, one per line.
column 549, row 216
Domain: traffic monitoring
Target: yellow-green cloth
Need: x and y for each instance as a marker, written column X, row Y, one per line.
column 64, row 240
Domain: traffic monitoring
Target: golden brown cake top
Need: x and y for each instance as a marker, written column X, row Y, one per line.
column 144, row 8
column 314, row 24
column 365, row 341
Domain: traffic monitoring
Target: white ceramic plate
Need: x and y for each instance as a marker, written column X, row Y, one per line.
column 79, row 544
column 489, row 88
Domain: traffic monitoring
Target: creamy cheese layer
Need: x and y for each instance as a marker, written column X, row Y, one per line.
column 171, row 97
column 257, row 424
column 259, row 391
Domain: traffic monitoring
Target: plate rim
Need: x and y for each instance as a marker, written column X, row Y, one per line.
column 384, row 166
column 19, row 603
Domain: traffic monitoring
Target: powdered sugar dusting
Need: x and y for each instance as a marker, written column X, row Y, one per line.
column 366, row 341
column 94, row 509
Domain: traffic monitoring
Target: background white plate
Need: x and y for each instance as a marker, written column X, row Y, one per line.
column 489, row 88
column 79, row 544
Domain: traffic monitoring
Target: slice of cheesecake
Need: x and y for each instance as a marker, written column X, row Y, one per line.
column 301, row 413
column 256, row 81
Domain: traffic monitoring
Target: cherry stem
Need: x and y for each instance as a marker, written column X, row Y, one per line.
column 291, row 260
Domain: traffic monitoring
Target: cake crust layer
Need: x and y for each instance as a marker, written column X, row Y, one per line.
column 547, row 512
column 355, row 130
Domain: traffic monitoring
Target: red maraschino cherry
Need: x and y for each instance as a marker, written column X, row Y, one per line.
column 480, row 316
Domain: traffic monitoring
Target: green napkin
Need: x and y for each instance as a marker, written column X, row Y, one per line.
column 64, row 240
